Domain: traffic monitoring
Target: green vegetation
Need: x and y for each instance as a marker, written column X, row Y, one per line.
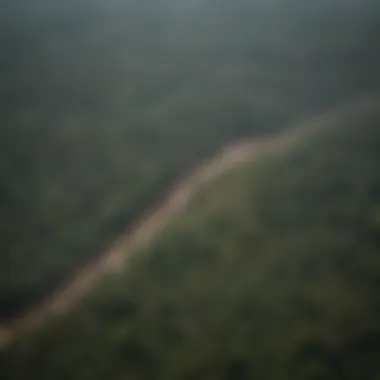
column 272, row 273
column 103, row 103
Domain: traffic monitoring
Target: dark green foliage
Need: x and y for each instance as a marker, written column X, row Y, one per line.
column 273, row 273
column 104, row 103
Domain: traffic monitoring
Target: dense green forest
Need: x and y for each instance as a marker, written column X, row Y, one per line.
column 272, row 273
column 103, row 103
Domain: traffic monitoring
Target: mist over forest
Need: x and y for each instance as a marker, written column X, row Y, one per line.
column 104, row 104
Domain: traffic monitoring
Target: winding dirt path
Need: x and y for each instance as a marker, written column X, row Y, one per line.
column 154, row 222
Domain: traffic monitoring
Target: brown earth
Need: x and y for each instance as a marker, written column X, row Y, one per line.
column 150, row 226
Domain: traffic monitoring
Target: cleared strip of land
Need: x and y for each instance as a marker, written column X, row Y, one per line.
column 149, row 226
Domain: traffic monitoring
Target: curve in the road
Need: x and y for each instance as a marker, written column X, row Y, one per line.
column 155, row 221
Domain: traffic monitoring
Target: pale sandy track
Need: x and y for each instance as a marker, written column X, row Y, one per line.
column 155, row 221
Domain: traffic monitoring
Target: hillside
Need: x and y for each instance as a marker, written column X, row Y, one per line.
column 104, row 104
column 272, row 273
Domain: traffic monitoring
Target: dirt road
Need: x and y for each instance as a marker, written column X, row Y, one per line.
column 155, row 221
